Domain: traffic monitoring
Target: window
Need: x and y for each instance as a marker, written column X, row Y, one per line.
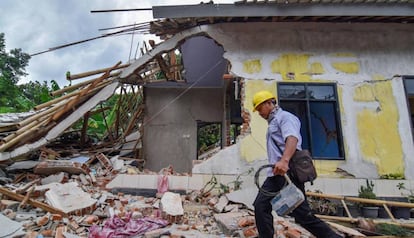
column 316, row 105
column 409, row 92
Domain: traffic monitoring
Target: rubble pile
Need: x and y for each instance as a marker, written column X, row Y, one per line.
column 68, row 198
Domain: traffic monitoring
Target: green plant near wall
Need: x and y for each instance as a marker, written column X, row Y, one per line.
column 393, row 176
column 409, row 193
column 367, row 192
column 235, row 184
column 393, row 230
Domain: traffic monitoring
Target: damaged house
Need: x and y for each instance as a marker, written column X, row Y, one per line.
column 346, row 69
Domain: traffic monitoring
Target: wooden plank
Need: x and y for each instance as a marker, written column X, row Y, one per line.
column 17, row 139
column 85, row 91
column 346, row 230
column 99, row 71
column 70, row 95
column 41, row 114
column 32, row 202
column 355, row 220
column 78, row 85
column 161, row 62
column 361, row 200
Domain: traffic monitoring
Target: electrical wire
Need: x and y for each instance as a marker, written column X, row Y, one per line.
column 183, row 92
column 256, row 180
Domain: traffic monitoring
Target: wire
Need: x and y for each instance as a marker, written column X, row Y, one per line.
column 183, row 92
column 132, row 42
column 256, row 180
column 116, row 33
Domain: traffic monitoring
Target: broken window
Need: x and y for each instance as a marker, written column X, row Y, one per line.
column 317, row 107
column 409, row 92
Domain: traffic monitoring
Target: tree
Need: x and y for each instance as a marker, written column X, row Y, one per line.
column 12, row 67
column 38, row 93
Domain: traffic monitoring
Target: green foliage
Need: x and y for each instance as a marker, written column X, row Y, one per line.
column 225, row 188
column 367, row 191
column 38, row 93
column 393, row 176
column 208, row 136
column 18, row 98
column 12, row 64
column 409, row 193
column 235, row 184
column 97, row 123
column 393, row 230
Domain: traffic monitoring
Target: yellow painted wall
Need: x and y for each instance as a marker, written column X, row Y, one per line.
column 253, row 146
column 346, row 67
column 252, row 66
column 298, row 68
column 377, row 130
column 298, row 64
column 378, row 134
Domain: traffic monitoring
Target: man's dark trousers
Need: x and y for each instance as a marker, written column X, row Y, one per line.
column 302, row 214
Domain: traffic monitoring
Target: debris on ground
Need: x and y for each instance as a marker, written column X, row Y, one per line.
column 69, row 198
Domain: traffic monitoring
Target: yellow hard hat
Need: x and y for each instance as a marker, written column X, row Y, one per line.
column 261, row 97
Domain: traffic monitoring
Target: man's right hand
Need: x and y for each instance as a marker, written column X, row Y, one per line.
column 281, row 167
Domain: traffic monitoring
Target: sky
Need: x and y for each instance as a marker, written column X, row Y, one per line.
column 37, row 25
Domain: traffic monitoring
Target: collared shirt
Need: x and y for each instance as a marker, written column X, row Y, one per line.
column 281, row 125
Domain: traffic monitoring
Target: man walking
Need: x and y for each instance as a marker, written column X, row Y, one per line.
column 283, row 129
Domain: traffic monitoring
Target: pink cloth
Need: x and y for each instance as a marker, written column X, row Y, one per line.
column 116, row 227
column 162, row 184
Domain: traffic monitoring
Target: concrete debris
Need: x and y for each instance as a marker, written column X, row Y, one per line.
column 244, row 196
column 69, row 198
column 48, row 167
column 221, row 204
column 171, row 204
column 10, row 228
column 96, row 196
column 54, row 178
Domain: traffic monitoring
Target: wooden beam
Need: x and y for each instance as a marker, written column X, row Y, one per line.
column 71, row 94
column 85, row 91
column 32, row 202
column 24, row 134
column 355, row 220
column 90, row 73
column 361, row 200
column 78, row 85
column 161, row 62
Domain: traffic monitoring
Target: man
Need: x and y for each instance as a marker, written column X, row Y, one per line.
column 283, row 129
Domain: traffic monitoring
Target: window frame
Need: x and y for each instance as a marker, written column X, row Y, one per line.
column 200, row 125
column 308, row 101
column 405, row 78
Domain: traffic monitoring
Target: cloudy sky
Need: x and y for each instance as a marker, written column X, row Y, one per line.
column 37, row 25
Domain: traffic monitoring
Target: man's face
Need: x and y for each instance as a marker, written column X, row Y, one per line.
column 265, row 109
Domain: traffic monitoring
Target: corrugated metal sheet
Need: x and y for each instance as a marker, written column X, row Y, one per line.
column 176, row 18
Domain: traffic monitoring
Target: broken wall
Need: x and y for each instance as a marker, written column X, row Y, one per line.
column 170, row 130
column 364, row 60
